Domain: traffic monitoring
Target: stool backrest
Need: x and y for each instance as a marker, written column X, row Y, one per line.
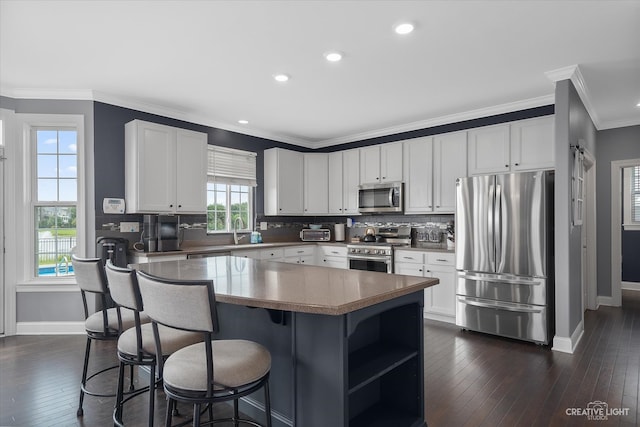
column 90, row 274
column 123, row 286
column 181, row 304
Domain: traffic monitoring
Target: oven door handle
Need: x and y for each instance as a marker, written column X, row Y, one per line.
column 366, row 258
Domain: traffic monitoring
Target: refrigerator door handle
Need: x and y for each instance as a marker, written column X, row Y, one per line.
column 499, row 305
column 491, row 228
column 497, row 226
column 501, row 280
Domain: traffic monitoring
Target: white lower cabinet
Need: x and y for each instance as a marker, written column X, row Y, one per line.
column 439, row 300
column 332, row 256
column 299, row 254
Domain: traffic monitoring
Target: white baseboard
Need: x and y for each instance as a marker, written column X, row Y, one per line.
column 606, row 301
column 50, row 328
column 568, row 344
column 631, row 286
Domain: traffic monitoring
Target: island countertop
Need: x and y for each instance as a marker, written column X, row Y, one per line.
column 290, row 287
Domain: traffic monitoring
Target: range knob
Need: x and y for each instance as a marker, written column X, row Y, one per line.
column 366, row 251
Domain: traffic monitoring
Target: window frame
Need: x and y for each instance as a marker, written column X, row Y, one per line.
column 628, row 193
column 250, row 212
column 30, row 123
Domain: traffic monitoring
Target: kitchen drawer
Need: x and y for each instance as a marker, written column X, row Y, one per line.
column 299, row 251
column 525, row 322
column 404, row 256
column 441, row 258
column 255, row 254
column 333, row 250
column 275, row 253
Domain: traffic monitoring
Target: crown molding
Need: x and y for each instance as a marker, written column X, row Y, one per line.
column 151, row 108
column 91, row 95
column 573, row 73
column 194, row 118
column 443, row 120
column 613, row 124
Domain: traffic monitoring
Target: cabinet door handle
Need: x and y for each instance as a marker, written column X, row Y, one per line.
column 300, row 252
column 506, row 166
column 170, row 206
column 441, row 260
column 334, row 252
column 517, row 164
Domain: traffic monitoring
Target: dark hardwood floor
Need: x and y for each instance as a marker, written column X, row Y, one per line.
column 471, row 379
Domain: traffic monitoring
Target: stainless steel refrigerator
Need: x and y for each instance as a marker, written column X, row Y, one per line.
column 504, row 255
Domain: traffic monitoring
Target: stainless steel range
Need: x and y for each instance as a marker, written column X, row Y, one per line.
column 375, row 251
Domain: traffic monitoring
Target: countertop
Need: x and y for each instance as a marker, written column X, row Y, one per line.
column 290, row 287
column 188, row 250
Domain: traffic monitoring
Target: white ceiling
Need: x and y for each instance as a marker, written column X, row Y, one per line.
column 212, row 62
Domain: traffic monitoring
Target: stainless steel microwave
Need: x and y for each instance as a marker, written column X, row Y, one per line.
column 380, row 198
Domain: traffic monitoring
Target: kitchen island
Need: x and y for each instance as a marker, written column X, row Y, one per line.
column 346, row 345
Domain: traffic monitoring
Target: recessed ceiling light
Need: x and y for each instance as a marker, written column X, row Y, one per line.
column 404, row 28
column 638, row 104
column 243, row 121
column 333, row 56
column 281, row 77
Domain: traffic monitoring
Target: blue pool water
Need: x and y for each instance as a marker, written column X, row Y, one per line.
column 51, row 270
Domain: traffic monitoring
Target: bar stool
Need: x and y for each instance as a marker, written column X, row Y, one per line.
column 103, row 325
column 208, row 372
column 136, row 345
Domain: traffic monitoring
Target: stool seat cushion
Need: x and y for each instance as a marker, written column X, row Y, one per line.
column 235, row 363
column 94, row 322
column 171, row 340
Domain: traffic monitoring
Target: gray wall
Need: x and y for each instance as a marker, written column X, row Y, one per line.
column 572, row 123
column 613, row 144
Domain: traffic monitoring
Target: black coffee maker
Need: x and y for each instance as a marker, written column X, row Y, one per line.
column 112, row 248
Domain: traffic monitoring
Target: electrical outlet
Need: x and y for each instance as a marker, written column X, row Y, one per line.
column 263, row 225
column 129, row 227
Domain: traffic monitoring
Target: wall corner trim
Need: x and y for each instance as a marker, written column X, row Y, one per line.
column 568, row 344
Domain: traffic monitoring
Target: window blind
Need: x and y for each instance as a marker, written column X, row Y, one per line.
column 231, row 166
column 635, row 194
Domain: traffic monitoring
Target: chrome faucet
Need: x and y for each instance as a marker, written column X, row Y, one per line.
column 236, row 239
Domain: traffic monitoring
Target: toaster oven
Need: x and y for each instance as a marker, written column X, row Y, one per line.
column 318, row 235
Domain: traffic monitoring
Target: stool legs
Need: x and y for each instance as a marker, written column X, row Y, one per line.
column 83, row 383
column 267, row 403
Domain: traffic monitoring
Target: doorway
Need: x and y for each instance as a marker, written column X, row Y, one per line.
column 617, row 184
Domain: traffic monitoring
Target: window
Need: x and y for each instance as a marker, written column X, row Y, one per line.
column 631, row 198
column 54, row 199
column 231, row 178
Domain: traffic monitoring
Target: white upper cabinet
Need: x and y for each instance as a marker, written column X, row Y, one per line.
column 517, row 146
column 350, row 181
column 191, row 172
column 418, row 175
column 381, row 163
column 532, row 144
column 283, row 182
column 489, row 150
column 449, row 163
column 316, row 183
column 431, row 166
column 165, row 169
